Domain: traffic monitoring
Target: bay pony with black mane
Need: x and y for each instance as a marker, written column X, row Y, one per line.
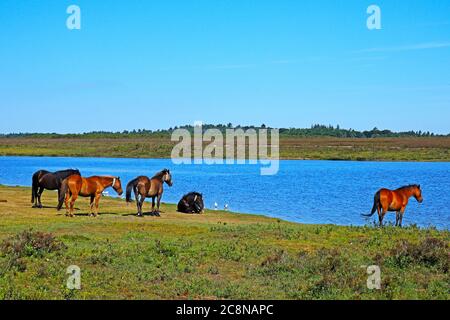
column 92, row 187
column 144, row 187
column 394, row 200
column 44, row 179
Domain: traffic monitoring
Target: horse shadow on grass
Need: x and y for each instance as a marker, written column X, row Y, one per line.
column 87, row 214
column 149, row 213
column 45, row 207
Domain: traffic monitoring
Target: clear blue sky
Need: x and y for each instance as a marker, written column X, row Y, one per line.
column 286, row 63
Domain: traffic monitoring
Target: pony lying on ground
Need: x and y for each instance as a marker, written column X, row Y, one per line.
column 191, row 203
column 44, row 179
column 394, row 200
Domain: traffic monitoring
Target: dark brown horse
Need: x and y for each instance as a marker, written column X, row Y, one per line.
column 394, row 200
column 44, row 179
column 144, row 187
column 75, row 186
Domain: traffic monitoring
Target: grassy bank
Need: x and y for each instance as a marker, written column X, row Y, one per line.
column 217, row 255
column 377, row 149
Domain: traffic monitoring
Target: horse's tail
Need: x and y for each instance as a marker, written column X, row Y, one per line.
column 376, row 201
column 63, row 189
column 34, row 185
column 131, row 186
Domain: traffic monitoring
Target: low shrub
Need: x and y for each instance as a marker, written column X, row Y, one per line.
column 28, row 244
column 431, row 252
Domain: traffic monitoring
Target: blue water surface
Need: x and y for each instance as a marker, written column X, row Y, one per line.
column 335, row 192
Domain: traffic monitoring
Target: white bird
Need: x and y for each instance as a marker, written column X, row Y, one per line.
column 225, row 207
column 216, row 206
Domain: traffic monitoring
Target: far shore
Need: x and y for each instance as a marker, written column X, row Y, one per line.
column 426, row 149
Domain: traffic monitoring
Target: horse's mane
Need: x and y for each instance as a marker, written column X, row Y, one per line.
column 409, row 186
column 67, row 170
column 194, row 193
column 160, row 174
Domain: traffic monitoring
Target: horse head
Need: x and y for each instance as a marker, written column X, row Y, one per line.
column 417, row 192
column 198, row 202
column 117, row 186
column 167, row 177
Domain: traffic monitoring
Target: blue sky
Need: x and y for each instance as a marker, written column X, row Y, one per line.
column 287, row 63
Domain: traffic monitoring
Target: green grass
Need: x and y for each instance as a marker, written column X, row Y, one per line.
column 218, row 255
column 377, row 149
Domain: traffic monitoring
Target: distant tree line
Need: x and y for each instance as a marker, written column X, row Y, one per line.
column 316, row 130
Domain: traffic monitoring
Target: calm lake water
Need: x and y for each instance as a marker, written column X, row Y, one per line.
column 303, row 191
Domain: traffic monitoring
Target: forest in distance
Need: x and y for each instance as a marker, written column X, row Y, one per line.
column 316, row 130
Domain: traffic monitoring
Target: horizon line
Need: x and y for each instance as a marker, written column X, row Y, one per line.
column 233, row 126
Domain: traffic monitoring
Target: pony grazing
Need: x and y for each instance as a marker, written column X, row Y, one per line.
column 191, row 203
column 92, row 187
column 394, row 200
column 44, row 179
column 144, row 187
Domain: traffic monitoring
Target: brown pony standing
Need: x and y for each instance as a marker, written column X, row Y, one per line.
column 75, row 186
column 394, row 200
column 144, row 187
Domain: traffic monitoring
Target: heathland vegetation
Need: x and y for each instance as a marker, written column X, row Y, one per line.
column 216, row 255
column 318, row 143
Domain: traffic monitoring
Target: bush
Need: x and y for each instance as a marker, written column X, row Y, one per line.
column 429, row 252
column 28, row 244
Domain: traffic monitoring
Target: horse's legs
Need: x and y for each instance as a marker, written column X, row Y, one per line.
column 136, row 195
column 140, row 205
column 384, row 210
column 39, row 194
column 72, row 203
column 383, row 213
column 35, row 192
column 380, row 219
column 402, row 212
column 153, row 204
column 158, row 204
column 92, row 204
column 97, row 201
column 397, row 218
column 66, row 202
